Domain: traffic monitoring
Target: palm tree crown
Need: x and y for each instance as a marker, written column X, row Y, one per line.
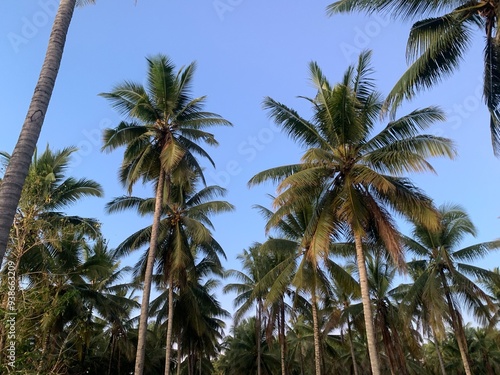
column 437, row 44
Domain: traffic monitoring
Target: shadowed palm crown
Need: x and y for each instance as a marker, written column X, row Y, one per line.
column 437, row 44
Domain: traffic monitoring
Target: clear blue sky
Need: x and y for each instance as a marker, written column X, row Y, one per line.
column 245, row 50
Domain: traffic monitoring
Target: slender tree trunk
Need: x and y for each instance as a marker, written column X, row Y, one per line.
column 456, row 322
column 397, row 344
column 282, row 337
column 439, row 355
column 392, row 344
column 148, row 277
column 17, row 170
column 487, row 364
column 317, row 347
column 351, row 347
column 170, row 322
column 111, row 353
column 462, row 343
column 367, row 311
column 258, row 329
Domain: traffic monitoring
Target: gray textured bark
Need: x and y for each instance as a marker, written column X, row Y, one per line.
column 367, row 311
column 17, row 170
column 148, row 277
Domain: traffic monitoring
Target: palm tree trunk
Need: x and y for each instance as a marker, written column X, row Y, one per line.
column 456, row 322
column 440, row 356
column 170, row 322
column 179, row 358
column 148, row 277
column 317, row 348
column 438, row 350
column 112, row 345
column 17, row 170
column 258, row 329
column 367, row 311
column 282, row 337
column 351, row 347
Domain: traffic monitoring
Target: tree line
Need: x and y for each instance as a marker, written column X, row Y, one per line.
column 322, row 285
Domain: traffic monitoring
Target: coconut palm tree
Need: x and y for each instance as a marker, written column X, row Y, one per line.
column 40, row 218
column 198, row 327
column 355, row 177
column 295, row 265
column 41, row 225
column 12, row 184
column 241, row 355
column 165, row 124
column 184, row 224
column 445, row 276
column 256, row 264
column 396, row 333
column 437, row 44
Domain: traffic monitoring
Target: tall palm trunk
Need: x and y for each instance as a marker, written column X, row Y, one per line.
column 456, row 322
column 367, row 311
column 17, row 170
column 258, row 330
column 148, row 277
column 317, row 348
column 282, row 336
column 170, row 322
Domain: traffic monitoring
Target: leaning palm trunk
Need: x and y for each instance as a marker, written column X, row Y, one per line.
column 365, row 296
column 17, row 170
column 170, row 322
column 148, row 277
column 456, row 322
column 317, row 348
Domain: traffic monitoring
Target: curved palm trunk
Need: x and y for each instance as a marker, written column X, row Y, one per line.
column 170, row 322
column 17, row 170
column 456, row 322
column 367, row 311
column 317, row 348
column 148, row 277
